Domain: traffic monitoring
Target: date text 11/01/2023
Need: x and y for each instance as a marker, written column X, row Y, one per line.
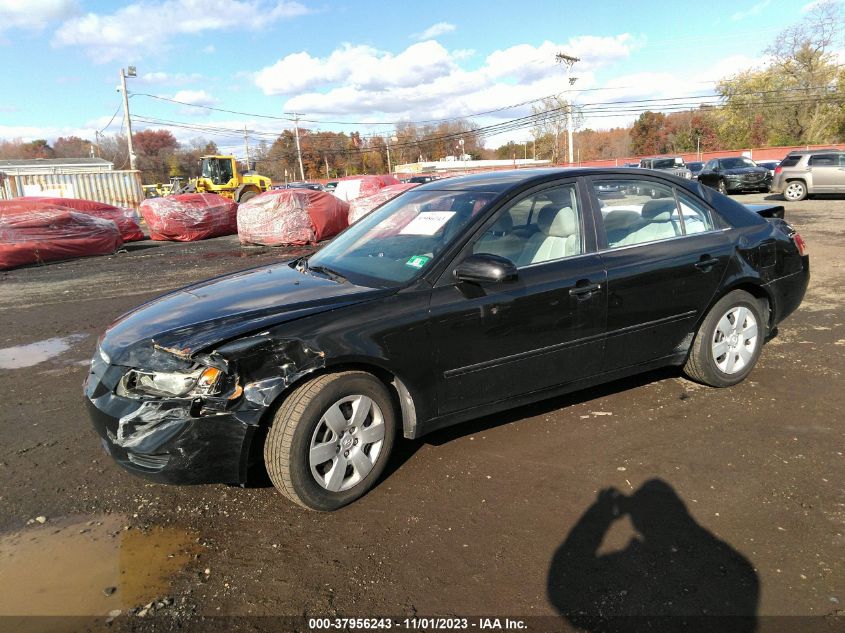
column 417, row 624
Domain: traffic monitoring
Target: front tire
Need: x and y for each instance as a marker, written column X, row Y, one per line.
column 729, row 341
column 247, row 195
column 331, row 439
column 795, row 191
column 722, row 187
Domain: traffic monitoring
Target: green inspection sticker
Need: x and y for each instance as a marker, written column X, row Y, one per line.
column 417, row 261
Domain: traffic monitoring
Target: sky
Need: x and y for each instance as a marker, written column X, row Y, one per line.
column 346, row 65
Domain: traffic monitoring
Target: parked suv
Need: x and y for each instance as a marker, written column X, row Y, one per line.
column 675, row 166
column 809, row 172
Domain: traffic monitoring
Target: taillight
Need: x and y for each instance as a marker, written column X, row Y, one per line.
column 778, row 169
column 799, row 243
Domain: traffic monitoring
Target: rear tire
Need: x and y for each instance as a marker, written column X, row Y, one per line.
column 722, row 187
column 729, row 341
column 331, row 439
column 795, row 190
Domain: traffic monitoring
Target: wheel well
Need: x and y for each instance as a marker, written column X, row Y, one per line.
column 402, row 399
column 763, row 298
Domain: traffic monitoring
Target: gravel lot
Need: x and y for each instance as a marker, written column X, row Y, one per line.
column 466, row 521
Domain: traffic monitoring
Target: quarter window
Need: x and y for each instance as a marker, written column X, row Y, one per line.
column 824, row 160
column 542, row 227
column 695, row 216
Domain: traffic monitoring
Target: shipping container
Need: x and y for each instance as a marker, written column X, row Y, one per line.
column 119, row 188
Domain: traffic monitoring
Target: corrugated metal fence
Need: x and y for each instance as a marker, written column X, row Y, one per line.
column 120, row 188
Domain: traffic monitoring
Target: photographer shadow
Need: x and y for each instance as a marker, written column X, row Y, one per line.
column 673, row 576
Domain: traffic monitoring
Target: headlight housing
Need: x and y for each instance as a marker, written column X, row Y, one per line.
column 203, row 381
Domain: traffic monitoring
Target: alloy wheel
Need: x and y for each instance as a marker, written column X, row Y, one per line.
column 735, row 340
column 346, row 443
column 794, row 191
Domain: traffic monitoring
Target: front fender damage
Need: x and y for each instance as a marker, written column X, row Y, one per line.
column 271, row 365
column 258, row 367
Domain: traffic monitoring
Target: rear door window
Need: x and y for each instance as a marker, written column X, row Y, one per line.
column 641, row 211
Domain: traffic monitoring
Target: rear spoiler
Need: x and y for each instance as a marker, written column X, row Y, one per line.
column 767, row 210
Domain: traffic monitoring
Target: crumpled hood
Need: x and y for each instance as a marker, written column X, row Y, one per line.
column 204, row 314
column 739, row 171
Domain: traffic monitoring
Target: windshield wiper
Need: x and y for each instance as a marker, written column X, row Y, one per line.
column 330, row 273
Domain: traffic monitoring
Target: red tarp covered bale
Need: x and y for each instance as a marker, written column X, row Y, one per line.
column 189, row 217
column 359, row 207
column 126, row 219
column 34, row 237
column 351, row 187
column 291, row 217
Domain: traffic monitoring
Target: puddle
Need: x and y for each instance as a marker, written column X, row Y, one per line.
column 28, row 355
column 64, row 568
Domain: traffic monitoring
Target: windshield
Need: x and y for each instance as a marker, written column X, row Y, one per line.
column 665, row 163
column 735, row 163
column 399, row 240
column 218, row 170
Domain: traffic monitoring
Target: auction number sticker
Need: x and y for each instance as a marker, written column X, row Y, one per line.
column 427, row 223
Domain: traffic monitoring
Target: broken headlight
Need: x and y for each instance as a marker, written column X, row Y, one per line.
column 169, row 384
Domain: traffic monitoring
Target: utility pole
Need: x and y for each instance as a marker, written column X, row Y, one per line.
column 326, row 158
column 389, row 166
column 130, row 72
column 298, row 149
column 97, row 141
column 246, row 148
column 569, row 62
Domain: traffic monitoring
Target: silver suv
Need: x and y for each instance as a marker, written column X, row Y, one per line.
column 808, row 172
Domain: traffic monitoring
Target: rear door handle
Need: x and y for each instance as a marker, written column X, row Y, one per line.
column 706, row 263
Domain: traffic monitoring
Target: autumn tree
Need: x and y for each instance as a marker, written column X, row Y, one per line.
column 72, row 147
column 798, row 97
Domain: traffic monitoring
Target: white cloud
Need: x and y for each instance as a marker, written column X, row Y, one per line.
column 756, row 9
column 434, row 30
column 162, row 78
column 151, row 25
column 425, row 69
column 817, row 3
column 362, row 66
column 195, row 97
column 427, row 81
column 34, row 14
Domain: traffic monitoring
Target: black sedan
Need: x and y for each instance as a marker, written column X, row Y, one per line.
column 735, row 174
column 457, row 299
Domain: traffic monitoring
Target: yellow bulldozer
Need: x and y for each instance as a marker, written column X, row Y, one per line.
column 220, row 175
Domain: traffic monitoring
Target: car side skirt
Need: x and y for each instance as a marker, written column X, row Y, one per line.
column 434, row 424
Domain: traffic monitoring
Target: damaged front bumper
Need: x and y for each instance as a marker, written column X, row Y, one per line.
column 175, row 440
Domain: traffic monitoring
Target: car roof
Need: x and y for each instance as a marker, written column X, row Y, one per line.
column 502, row 181
column 823, row 150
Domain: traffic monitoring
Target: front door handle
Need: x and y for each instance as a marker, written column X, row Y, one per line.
column 706, row 263
column 584, row 289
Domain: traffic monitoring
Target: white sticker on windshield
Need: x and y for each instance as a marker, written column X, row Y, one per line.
column 427, row 223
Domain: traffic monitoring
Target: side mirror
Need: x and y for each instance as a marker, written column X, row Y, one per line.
column 485, row 268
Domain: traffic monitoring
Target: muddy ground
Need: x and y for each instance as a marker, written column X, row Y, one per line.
column 465, row 522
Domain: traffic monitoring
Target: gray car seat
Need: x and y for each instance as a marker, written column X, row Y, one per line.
column 499, row 240
column 660, row 221
column 558, row 237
